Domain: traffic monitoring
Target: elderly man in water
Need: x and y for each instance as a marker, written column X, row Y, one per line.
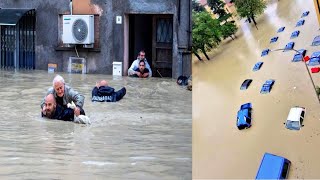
column 63, row 95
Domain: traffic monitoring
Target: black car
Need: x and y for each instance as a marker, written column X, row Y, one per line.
column 246, row 83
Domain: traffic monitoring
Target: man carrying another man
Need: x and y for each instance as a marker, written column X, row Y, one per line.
column 135, row 66
column 64, row 94
column 63, row 103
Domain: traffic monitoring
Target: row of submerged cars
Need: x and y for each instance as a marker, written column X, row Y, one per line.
column 294, row 120
column 273, row 166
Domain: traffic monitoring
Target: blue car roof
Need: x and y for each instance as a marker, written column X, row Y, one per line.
column 241, row 114
column 270, row 167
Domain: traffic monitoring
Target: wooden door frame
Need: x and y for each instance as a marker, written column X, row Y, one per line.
column 154, row 43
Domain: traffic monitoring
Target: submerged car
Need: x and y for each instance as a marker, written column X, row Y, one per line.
column 295, row 118
column 314, row 59
column 244, row 116
column 274, row 39
column 273, row 167
column 299, row 56
column 281, row 29
column 257, row 66
column 265, row 52
column 289, row 46
column 294, row 34
column 246, row 83
column 267, row 86
column 300, row 23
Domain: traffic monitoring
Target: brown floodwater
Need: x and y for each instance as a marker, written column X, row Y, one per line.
column 220, row 150
column 146, row 135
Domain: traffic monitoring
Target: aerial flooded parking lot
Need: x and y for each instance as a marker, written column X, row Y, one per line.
column 146, row 135
column 220, row 150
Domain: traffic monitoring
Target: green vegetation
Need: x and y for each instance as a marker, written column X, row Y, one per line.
column 208, row 32
column 250, row 9
column 217, row 7
column 205, row 33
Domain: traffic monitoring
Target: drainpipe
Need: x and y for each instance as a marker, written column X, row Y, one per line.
column 190, row 28
column 70, row 6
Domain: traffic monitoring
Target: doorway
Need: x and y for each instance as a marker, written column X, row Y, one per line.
column 140, row 36
column 154, row 34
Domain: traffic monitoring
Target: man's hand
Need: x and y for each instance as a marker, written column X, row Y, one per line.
column 138, row 74
column 77, row 111
column 145, row 75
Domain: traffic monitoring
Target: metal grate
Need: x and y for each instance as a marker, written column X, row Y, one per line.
column 18, row 43
column 8, row 40
column 164, row 31
column 80, row 30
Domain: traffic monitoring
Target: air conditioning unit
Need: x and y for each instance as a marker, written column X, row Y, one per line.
column 78, row 29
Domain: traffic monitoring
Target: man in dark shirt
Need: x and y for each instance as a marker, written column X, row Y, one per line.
column 56, row 111
column 141, row 71
column 64, row 95
column 104, row 93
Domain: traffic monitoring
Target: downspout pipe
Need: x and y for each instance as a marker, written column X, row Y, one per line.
column 70, row 6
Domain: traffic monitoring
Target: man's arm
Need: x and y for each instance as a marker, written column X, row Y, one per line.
column 149, row 68
column 65, row 114
column 132, row 68
column 76, row 97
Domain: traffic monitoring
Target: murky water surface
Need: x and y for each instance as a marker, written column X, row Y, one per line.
column 146, row 135
column 220, row 150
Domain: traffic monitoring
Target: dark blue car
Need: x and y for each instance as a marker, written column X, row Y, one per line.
column 314, row 59
column 299, row 56
column 244, row 116
column 246, row 83
column 257, row 66
column 267, row 86
column 289, row 46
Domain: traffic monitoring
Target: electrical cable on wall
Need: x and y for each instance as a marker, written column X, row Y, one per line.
column 75, row 47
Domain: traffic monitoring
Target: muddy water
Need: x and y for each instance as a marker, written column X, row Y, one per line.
column 146, row 135
column 220, row 150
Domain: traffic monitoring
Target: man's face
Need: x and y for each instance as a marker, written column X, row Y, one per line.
column 142, row 55
column 141, row 66
column 59, row 88
column 50, row 106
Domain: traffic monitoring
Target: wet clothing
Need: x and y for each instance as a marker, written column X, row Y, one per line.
column 61, row 113
column 69, row 95
column 107, row 94
column 65, row 114
column 135, row 65
column 137, row 69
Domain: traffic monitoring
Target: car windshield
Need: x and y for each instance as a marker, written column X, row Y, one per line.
column 293, row 125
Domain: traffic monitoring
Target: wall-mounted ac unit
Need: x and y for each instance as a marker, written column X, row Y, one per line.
column 78, row 29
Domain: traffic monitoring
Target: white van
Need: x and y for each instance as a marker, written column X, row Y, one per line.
column 295, row 118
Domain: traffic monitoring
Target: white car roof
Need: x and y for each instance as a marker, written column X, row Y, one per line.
column 295, row 113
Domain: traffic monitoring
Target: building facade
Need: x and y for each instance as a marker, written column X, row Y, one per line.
column 121, row 29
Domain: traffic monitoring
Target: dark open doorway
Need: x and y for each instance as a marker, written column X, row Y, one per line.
column 140, row 36
column 152, row 33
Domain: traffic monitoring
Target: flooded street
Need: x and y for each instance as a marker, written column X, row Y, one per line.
column 146, row 135
column 220, row 150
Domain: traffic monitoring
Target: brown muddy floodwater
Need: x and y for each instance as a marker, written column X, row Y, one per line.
column 220, row 150
column 146, row 135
